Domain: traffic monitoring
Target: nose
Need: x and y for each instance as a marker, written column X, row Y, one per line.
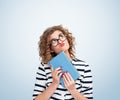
column 59, row 41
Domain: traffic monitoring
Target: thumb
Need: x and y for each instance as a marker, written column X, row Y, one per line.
column 51, row 68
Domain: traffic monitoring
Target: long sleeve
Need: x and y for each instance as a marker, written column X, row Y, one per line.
column 40, row 81
column 87, row 83
column 84, row 84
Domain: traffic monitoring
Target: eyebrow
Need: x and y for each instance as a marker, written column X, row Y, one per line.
column 55, row 38
column 58, row 35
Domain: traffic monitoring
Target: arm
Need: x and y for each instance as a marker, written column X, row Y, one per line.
column 46, row 94
column 70, row 85
column 86, row 85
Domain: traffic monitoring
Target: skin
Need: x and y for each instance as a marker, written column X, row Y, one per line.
column 56, row 74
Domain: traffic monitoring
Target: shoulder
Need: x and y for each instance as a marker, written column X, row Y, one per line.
column 82, row 66
column 43, row 66
column 80, row 62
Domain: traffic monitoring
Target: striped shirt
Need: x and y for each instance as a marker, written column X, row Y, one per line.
column 83, row 83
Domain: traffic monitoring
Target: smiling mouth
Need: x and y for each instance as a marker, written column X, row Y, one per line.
column 62, row 44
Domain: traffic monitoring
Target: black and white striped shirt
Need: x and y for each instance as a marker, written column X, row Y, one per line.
column 83, row 83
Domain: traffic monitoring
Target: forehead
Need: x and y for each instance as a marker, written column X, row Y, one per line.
column 55, row 34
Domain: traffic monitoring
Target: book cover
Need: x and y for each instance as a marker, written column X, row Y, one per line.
column 62, row 60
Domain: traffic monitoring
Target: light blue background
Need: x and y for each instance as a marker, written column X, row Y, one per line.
column 94, row 23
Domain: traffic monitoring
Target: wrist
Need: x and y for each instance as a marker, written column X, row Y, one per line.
column 73, row 90
column 77, row 95
column 55, row 84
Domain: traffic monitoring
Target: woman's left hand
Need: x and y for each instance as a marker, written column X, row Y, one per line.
column 68, row 81
column 70, row 85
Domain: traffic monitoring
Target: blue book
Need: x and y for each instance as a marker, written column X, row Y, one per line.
column 62, row 60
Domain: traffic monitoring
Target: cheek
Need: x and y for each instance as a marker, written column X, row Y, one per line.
column 58, row 49
column 54, row 49
column 66, row 44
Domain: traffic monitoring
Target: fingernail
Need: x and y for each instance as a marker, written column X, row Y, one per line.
column 60, row 67
column 63, row 73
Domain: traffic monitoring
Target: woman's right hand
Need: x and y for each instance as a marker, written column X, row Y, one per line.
column 56, row 74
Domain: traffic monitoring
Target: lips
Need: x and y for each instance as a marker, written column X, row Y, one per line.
column 62, row 44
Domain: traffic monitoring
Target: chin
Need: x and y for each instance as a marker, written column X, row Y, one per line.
column 62, row 49
column 65, row 50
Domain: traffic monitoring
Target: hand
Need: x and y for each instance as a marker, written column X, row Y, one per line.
column 70, row 85
column 56, row 74
column 68, row 81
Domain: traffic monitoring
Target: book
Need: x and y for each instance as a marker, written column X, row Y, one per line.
column 62, row 60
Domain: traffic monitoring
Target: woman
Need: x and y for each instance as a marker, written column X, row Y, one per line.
column 47, row 87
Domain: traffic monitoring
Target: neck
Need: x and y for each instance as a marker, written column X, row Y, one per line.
column 68, row 55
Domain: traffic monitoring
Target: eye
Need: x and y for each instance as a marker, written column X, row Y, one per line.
column 61, row 36
column 53, row 41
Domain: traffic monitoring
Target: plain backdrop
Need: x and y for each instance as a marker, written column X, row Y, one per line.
column 95, row 25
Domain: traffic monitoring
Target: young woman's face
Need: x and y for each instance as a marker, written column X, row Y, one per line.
column 58, row 42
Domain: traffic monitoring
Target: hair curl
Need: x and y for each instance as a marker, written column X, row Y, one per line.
column 44, row 47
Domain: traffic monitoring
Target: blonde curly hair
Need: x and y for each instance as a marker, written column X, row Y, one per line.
column 44, row 47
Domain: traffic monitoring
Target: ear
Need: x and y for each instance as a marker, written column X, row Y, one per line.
column 52, row 51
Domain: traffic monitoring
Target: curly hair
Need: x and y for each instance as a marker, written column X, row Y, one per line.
column 44, row 47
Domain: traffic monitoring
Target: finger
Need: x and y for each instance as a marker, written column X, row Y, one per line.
column 64, row 79
column 51, row 68
column 69, row 76
column 66, row 76
column 60, row 74
column 59, row 68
